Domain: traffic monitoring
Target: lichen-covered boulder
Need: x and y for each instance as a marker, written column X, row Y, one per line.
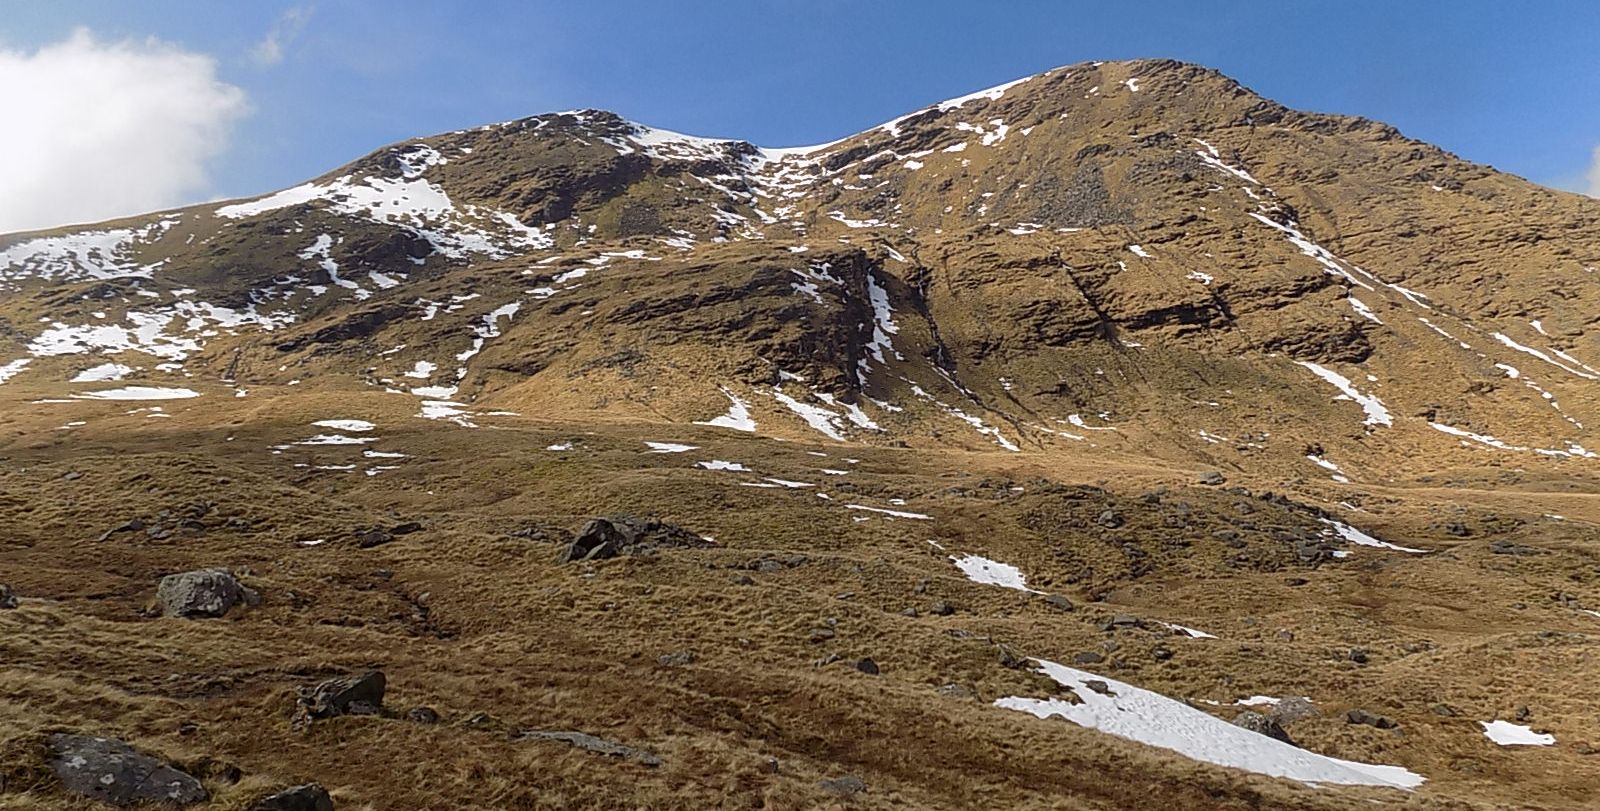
column 112, row 771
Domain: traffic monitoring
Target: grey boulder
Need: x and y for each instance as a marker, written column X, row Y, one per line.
column 202, row 593
column 109, row 770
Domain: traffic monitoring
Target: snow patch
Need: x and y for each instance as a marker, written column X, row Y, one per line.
column 1153, row 719
column 1506, row 733
column 992, row 572
column 139, row 393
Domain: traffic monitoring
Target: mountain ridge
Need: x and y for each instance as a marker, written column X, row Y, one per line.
column 1116, row 392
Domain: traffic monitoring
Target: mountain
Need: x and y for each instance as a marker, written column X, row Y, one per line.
column 1119, row 367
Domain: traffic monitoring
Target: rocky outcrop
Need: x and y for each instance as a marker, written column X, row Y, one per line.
column 354, row 695
column 1261, row 724
column 603, row 538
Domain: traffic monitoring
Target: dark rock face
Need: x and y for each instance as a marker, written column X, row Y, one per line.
column 8, row 599
column 309, row 797
column 202, row 593
column 355, row 326
column 358, row 695
column 1261, row 724
column 109, row 770
column 609, row 537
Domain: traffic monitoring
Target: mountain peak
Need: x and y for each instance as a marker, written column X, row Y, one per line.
column 1118, row 364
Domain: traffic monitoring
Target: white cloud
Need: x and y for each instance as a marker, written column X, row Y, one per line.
column 1593, row 178
column 269, row 51
column 96, row 130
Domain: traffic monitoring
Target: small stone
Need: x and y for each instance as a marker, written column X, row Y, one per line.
column 676, row 658
column 1098, row 686
column 134, row 525
column 1358, row 655
column 1161, row 654
column 372, row 538
column 422, row 715
column 821, row 634
column 1088, row 657
column 960, row 691
column 8, row 598
column 1058, row 602
column 942, row 609
column 843, row 786
column 72, row 476
column 909, row 612
column 1010, row 660
column 867, row 666
column 1212, row 478
column 1109, row 519
column 1523, row 713
column 590, row 743
column 309, row 797
column 743, row 580
column 1119, row 622
column 1369, row 719
column 1508, row 548
column 481, row 720
column 1443, row 710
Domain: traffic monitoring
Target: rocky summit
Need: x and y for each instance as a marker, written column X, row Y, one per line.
column 1115, row 438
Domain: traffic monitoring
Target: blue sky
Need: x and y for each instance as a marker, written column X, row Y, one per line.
column 1514, row 85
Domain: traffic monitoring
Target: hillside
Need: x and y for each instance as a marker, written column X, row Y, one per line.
column 1117, row 394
